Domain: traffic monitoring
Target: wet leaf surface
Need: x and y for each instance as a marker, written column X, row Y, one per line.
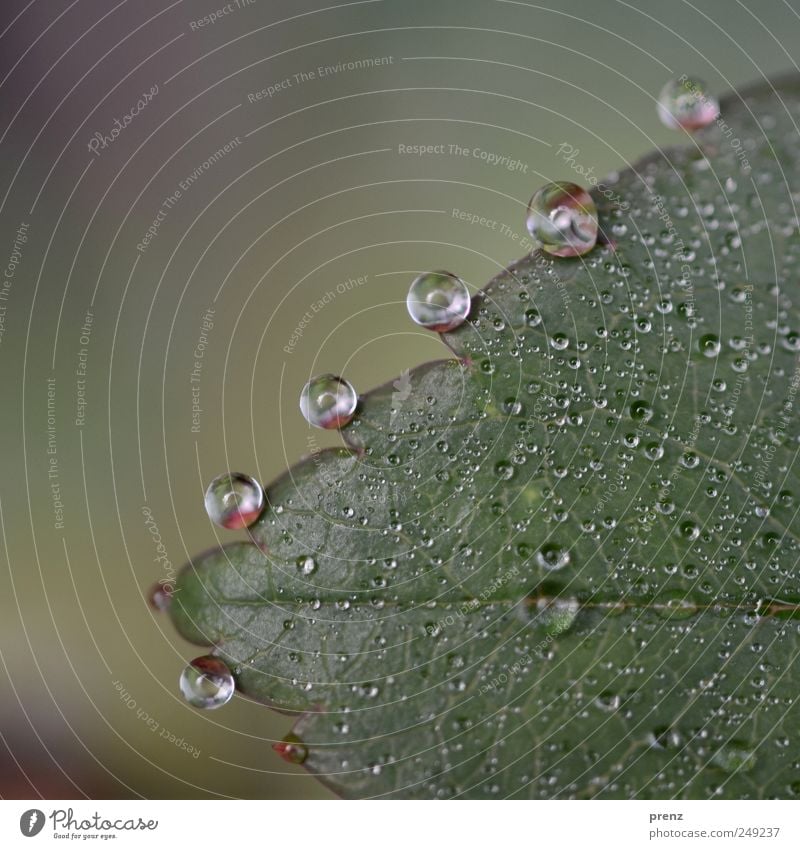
column 565, row 564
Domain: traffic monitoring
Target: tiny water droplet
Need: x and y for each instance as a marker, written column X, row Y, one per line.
column 306, row 564
column 675, row 605
column 641, row 411
column 234, row 500
column 686, row 104
column 791, row 342
column 533, row 318
column 439, row 301
column 608, row 702
column 709, row 345
column 207, row 683
column 734, row 757
column 328, row 401
column 552, row 556
column 664, row 737
column 504, row 470
column 562, row 218
column 654, row 451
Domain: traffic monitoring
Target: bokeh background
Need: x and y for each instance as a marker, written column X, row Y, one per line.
column 315, row 201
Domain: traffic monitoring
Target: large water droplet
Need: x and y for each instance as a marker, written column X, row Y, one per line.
column 328, row 401
column 685, row 103
column 234, row 500
column 654, row 451
column 689, row 530
column 207, row 683
column 562, row 217
column 438, row 300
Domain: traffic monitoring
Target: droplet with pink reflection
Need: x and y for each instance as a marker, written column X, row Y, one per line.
column 562, row 218
column 234, row 500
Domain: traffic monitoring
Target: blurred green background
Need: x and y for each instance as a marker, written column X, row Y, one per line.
column 319, row 190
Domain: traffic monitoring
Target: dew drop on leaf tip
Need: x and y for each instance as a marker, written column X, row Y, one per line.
column 291, row 749
column 234, row 500
column 159, row 597
column 207, row 683
column 328, row 402
column 438, row 301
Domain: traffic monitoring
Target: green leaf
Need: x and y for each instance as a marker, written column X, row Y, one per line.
column 565, row 564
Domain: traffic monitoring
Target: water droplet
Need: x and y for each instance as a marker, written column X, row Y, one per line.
column 306, row 564
column 791, row 342
column 641, row 411
column 664, row 737
column 551, row 616
column 686, row 104
column 689, row 460
column 709, row 345
column 690, row 530
column 556, row 615
column 504, row 470
column 160, row 597
column 328, row 401
column 234, row 500
column 654, row 451
column 438, row 300
column 562, row 218
column 734, row 757
column 552, row 556
column 608, row 702
column 207, row 683
column 292, row 749
column 675, row 605
column 533, row 318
